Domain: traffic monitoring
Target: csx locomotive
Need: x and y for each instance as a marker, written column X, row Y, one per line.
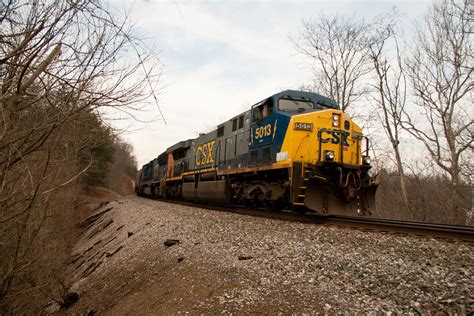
column 293, row 150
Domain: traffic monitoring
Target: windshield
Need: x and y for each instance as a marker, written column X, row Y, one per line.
column 289, row 105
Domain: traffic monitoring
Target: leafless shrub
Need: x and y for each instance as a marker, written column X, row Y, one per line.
column 60, row 63
column 431, row 199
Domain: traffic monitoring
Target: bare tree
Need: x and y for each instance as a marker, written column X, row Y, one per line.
column 441, row 69
column 60, row 63
column 390, row 93
column 338, row 46
column 123, row 169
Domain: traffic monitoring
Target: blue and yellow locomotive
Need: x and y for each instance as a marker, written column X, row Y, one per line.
column 294, row 150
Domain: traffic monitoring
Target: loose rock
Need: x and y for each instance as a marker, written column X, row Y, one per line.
column 293, row 267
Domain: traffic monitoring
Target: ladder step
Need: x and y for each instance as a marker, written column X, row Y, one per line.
column 296, row 203
column 305, row 179
column 301, row 195
column 303, row 188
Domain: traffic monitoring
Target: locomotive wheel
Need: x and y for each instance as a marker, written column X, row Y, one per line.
column 255, row 201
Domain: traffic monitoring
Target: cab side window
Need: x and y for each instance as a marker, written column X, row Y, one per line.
column 267, row 110
column 262, row 111
column 256, row 114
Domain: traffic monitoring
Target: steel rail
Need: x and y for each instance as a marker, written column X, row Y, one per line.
column 465, row 233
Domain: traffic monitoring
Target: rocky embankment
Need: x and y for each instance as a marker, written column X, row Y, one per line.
column 148, row 257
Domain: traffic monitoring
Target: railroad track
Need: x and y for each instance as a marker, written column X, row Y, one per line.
column 465, row 233
column 455, row 232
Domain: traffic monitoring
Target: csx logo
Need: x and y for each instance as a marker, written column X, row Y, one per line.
column 204, row 154
column 333, row 136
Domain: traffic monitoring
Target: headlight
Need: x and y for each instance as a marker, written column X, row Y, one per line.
column 366, row 160
column 329, row 155
column 335, row 120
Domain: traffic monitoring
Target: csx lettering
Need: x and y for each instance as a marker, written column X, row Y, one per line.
column 333, row 136
column 204, row 154
column 263, row 131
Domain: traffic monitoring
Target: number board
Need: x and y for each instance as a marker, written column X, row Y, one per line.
column 303, row 126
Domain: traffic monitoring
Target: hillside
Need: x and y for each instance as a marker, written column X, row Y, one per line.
column 143, row 256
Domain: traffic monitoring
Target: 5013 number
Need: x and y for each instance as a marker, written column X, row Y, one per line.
column 261, row 132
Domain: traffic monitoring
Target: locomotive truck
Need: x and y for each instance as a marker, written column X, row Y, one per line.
column 293, row 150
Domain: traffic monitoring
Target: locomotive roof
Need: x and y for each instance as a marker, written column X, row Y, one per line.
column 314, row 97
column 182, row 144
column 287, row 94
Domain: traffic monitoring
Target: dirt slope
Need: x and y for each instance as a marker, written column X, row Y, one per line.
column 217, row 262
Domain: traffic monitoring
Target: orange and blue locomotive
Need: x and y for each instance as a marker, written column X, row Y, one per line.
column 293, row 150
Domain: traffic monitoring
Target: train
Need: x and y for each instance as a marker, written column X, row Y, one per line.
column 294, row 150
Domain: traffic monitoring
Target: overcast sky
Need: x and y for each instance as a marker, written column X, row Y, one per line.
column 220, row 57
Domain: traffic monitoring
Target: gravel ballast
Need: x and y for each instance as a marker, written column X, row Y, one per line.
column 145, row 256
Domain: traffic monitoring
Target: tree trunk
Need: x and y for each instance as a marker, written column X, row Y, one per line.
column 402, row 175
